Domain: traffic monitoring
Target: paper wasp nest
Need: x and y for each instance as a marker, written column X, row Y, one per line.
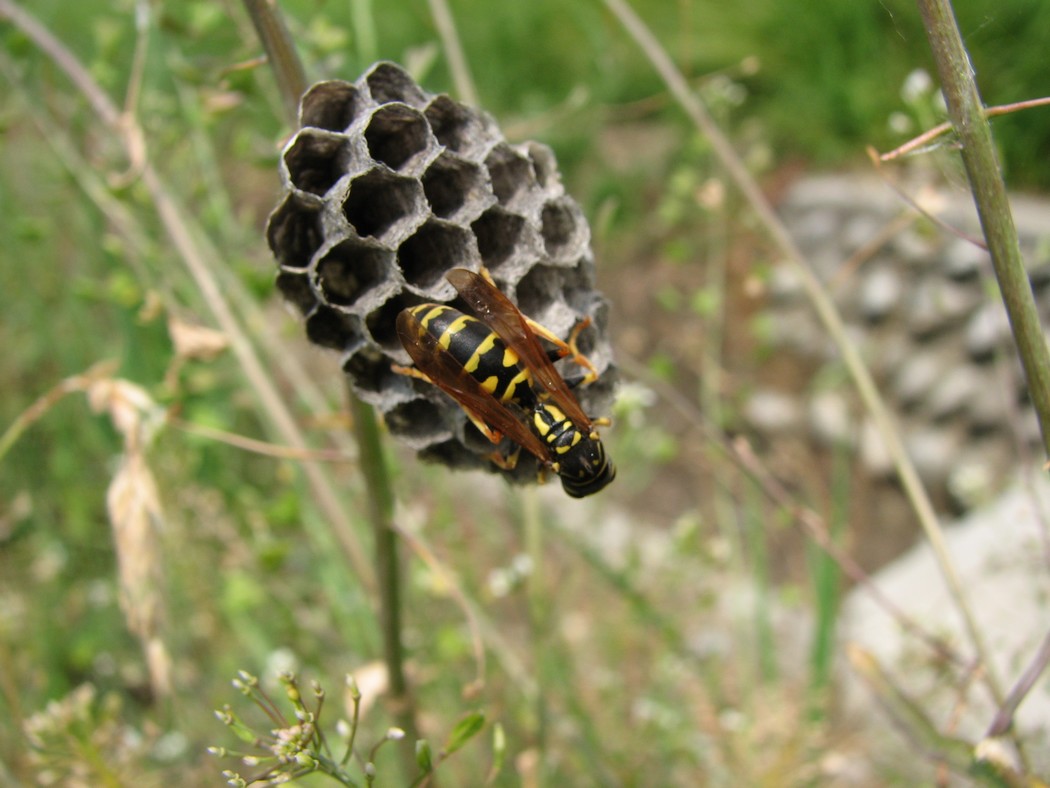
column 386, row 188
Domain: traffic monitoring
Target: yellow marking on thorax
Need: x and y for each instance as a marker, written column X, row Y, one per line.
column 575, row 440
column 541, row 426
column 555, row 412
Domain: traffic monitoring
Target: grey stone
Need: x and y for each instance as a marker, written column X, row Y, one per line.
column 830, row 419
column 880, row 291
column 785, row 285
column 773, row 412
column 965, row 260
column 914, row 248
column 918, row 375
column 920, row 313
column 998, row 555
column 978, row 472
column 955, row 390
column 990, row 405
column 933, row 450
column 940, row 304
column 987, row 330
column 861, row 230
column 874, row 454
column 816, row 227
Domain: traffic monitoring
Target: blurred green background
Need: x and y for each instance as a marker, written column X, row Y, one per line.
column 252, row 578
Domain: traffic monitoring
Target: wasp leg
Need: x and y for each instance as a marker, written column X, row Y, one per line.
column 568, row 349
column 411, row 372
column 565, row 349
column 493, row 435
column 508, row 463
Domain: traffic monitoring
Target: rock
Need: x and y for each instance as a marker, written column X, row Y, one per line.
column 990, row 405
column 920, row 312
column 873, row 452
column 987, row 330
column 965, row 261
column 785, row 285
column 955, row 390
column 998, row 554
column 914, row 248
column 933, row 450
column 977, row 474
column 918, row 375
column 939, row 304
column 830, row 419
column 861, row 230
column 880, row 291
column 773, row 412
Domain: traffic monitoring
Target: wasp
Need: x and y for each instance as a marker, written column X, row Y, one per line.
column 495, row 367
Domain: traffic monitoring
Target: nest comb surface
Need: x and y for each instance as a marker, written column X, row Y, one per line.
column 386, row 189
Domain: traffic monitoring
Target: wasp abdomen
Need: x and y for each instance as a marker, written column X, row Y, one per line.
column 482, row 354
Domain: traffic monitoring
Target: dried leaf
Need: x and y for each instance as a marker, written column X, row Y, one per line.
column 196, row 342
column 134, row 413
column 136, row 518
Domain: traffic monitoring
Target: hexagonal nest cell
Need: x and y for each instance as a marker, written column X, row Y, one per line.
column 387, row 188
column 380, row 202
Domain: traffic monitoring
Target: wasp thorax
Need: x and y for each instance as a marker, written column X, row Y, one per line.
column 387, row 188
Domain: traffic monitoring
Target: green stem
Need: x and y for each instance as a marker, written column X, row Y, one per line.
column 280, row 50
column 968, row 116
column 380, row 511
column 291, row 81
column 539, row 620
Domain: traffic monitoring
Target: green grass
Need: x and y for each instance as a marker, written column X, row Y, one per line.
column 611, row 661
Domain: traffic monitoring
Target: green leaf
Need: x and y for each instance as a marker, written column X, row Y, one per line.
column 499, row 748
column 465, row 729
column 424, row 757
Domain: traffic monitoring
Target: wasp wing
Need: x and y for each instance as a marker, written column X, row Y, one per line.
column 498, row 312
column 447, row 374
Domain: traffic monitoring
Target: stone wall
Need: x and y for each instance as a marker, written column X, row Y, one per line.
column 923, row 307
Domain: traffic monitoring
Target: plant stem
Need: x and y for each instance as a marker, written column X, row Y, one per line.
column 968, row 116
column 291, row 81
column 539, row 623
column 457, row 61
column 280, row 50
column 381, row 511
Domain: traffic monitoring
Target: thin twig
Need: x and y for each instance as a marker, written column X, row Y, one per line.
column 264, row 448
column 1004, row 718
column 457, row 61
column 930, row 135
column 47, row 400
column 280, row 50
column 970, row 122
column 826, row 311
column 876, row 162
